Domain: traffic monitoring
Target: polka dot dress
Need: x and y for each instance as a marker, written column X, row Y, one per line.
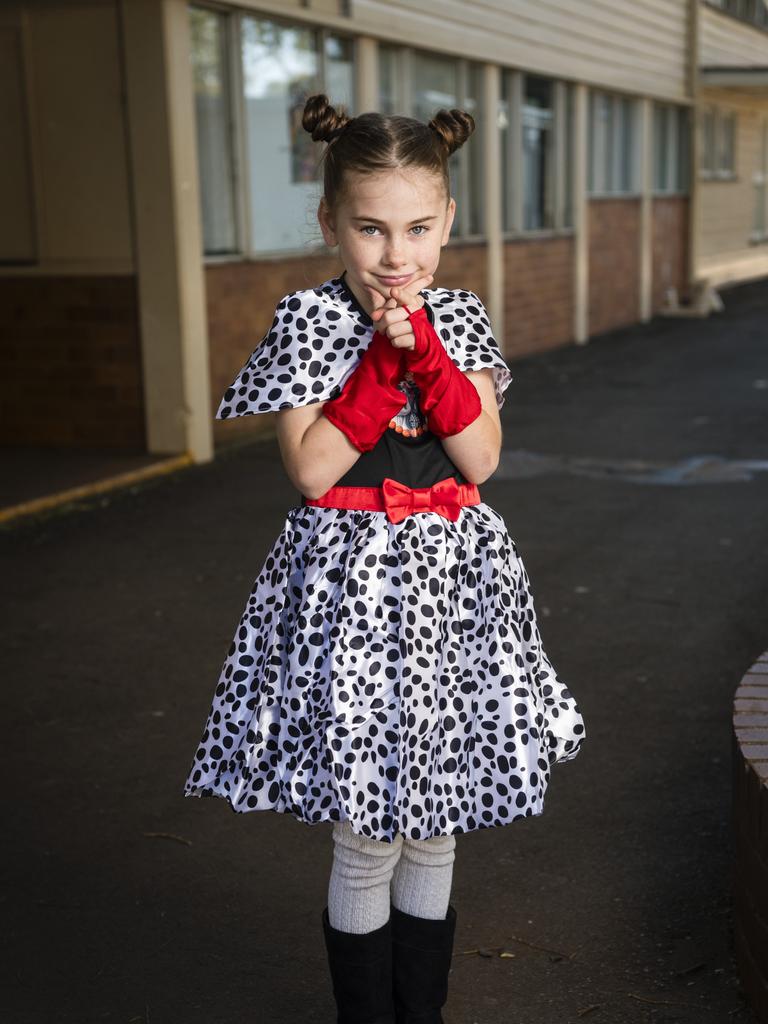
column 389, row 674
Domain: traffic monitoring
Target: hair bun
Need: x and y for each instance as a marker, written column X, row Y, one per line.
column 453, row 126
column 321, row 120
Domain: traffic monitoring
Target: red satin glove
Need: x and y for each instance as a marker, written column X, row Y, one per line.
column 448, row 399
column 370, row 396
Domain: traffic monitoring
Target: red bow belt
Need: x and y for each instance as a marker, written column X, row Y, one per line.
column 446, row 497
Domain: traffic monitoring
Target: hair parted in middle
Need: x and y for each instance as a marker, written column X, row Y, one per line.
column 377, row 142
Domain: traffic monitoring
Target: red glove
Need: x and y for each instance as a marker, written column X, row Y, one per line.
column 370, row 396
column 449, row 399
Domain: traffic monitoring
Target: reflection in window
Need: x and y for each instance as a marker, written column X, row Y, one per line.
column 280, row 70
column 210, row 76
column 436, row 86
column 473, row 197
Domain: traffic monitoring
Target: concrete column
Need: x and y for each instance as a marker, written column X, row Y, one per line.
column 580, row 216
column 167, row 233
column 367, row 75
column 645, row 147
column 492, row 202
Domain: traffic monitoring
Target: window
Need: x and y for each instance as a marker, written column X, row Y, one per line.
column 534, row 122
column 612, row 144
column 417, row 84
column 670, row 148
column 717, row 141
column 252, row 77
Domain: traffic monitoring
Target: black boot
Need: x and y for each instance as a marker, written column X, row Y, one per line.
column 421, row 958
column 361, row 972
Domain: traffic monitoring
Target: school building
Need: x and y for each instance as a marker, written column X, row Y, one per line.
column 158, row 195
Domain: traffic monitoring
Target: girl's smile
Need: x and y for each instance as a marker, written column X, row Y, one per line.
column 390, row 227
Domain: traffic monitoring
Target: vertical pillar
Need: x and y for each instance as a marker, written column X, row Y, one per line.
column 645, row 148
column 580, row 216
column 492, row 204
column 167, row 234
column 367, row 75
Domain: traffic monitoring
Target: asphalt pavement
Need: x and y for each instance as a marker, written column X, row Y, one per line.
column 125, row 902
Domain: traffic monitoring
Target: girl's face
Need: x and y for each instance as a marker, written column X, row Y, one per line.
column 389, row 227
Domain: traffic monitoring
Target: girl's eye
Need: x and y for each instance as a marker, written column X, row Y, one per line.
column 420, row 228
column 368, row 229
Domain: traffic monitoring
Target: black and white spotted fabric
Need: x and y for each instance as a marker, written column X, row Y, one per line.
column 392, row 675
column 318, row 335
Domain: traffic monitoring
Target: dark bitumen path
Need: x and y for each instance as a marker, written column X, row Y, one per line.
column 652, row 603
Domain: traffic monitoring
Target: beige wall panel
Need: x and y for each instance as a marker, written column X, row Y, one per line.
column 585, row 40
column 79, row 133
column 725, row 41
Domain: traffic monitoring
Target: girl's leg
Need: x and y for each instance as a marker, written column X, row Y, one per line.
column 359, row 886
column 421, row 881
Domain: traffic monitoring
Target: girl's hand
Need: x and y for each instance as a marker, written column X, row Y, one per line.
column 392, row 317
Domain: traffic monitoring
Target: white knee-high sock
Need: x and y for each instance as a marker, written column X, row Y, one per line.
column 358, row 890
column 421, row 881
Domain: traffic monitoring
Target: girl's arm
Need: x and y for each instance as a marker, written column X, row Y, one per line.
column 315, row 452
column 477, row 449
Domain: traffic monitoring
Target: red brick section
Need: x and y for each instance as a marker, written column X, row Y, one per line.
column 750, row 825
column 614, row 263
column 70, row 362
column 538, row 302
column 670, row 247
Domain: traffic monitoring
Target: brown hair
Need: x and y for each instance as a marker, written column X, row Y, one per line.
column 376, row 142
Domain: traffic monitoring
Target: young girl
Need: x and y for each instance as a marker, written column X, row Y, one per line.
column 387, row 673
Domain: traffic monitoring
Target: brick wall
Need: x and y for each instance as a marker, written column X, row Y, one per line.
column 70, row 362
column 670, row 247
column 750, row 828
column 614, row 263
column 538, row 301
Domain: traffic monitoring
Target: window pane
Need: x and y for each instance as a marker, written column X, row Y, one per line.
column 435, row 86
column 391, row 99
column 568, row 161
column 725, row 162
column 476, row 144
column 210, row 74
column 504, row 143
column 280, row 69
column 538, row 199
column 684, row 149
column 707, row 128
column 339, row 71
column 660, row 147
column 627, row 143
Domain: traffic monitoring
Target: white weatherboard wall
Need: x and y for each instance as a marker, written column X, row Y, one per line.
column 615, row 44
column 586, row 40
column 727, row 42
